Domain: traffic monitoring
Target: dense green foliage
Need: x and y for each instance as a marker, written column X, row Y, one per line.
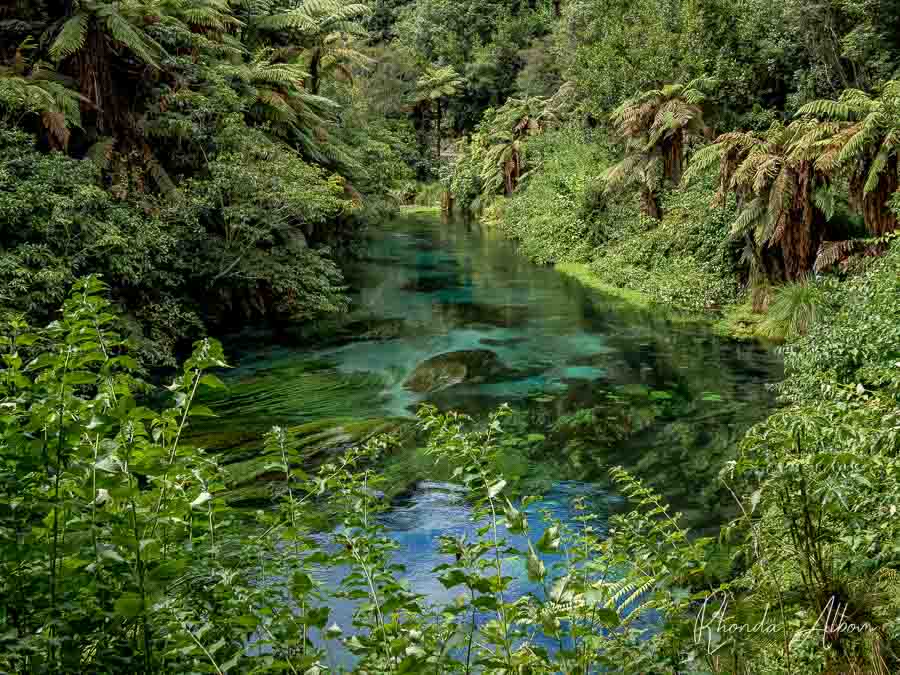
column 216, row 163
column 119, row 550
column 810, row 167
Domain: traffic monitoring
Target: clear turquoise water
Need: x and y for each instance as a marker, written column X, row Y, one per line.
column 428, row 288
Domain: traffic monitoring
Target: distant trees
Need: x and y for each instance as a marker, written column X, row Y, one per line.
column 433, row 88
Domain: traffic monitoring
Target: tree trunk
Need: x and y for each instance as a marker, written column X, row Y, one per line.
column 557, row 8
column 422, row 127
column 96, row 83
column 673, row 158
column 314, row 76
column 879, row 217
column 650, row 204
column 438, row 132
column 801, row 235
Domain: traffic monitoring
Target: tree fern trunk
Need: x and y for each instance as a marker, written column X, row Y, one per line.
column 803, row 227
column 673, row 158
column 879, row 217
column 650, row 204
column 314, row 75
column 438, row 131
column 96, row 82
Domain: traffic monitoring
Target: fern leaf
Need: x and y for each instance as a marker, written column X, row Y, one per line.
column 703, row 160
column 140, row 45
column 831, row 252
column 71, row 38
column 827, row 109
column 749, row 216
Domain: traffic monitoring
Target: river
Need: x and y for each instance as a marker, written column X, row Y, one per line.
column 596, row 382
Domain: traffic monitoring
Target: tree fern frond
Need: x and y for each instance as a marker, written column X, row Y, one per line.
column 703, row 160
column 71, row 38
column 827, row 109
column 140, row 45
column 879, row 164
column 824, row 200
column 749, row 217
column 831, row 252
column 296, row 19
column 100, row 153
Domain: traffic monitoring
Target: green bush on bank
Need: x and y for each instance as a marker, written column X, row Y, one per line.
column 554, row 216
column 685, row 260
column 230, row 246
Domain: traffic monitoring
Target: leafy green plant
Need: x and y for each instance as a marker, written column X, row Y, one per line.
column 796, row 307
column 662, row 122
column 862, row 143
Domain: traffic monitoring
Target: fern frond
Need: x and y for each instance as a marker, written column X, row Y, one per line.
column 140, row 45
column 296, row 19
column 703, row 160
column 827, row 109
column 749, row 216
column 831, row 252
column 71, row 38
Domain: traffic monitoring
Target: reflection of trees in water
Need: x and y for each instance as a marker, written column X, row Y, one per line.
column 672, row 409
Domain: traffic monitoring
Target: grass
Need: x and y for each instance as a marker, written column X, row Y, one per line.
column 736, row 321
column 582, row 273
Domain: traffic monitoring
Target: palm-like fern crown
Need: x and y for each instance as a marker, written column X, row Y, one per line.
column 122, row 21
column 327, row 28
column 437, row 83
column 638, row 169
column 859, row 133
column 319, row 18
column 658, row 113
column 527, row 116
column 778, row 186
column 275, row 94
column 36, row 88
column 505, row 134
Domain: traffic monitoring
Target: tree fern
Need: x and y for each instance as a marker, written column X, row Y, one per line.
column 324, row 29
column 140, row 44
column 36, row 89
column 663, row 120
column 71, row 38
column 862, row 147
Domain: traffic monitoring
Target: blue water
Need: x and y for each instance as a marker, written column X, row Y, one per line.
column 429, row 288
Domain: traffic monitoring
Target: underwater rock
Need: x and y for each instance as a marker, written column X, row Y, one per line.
column 446, row 370
column 503, row 342
column 472, row 314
